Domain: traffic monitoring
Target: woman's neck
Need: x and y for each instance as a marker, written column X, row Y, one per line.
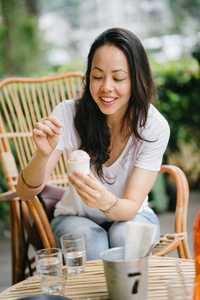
column 119, row 136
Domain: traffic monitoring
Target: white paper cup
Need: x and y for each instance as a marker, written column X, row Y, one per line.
column 127, row 280
column 83, row 166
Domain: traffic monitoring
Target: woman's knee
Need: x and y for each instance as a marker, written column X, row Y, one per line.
column 148, row 216
column 96, row 242
column 117, row 234
column 96, row 236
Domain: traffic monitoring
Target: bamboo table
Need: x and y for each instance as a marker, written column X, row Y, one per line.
column 92, row 285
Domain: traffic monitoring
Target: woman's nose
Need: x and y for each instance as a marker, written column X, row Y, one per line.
column 107, row 85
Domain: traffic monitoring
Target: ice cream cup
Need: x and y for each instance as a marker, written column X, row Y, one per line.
column 82, row 166
column 79, row 160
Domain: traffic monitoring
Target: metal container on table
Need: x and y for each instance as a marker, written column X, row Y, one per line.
column 127, row 280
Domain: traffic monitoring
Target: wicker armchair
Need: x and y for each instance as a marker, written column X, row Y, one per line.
column 24, row 101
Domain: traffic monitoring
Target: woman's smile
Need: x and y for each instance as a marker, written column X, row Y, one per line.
column 108, row 100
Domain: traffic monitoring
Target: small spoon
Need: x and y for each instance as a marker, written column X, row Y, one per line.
column 68, row 145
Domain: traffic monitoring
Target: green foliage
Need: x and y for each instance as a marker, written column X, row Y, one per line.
column 20, row 45
column 185, row 12
column 178, row 100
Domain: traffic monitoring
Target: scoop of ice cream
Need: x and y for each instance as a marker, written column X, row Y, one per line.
column 78, row 156
column 79, row 160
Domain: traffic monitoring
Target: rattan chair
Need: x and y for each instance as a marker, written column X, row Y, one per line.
column 24, row 101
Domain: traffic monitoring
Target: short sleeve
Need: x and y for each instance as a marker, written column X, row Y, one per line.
column 156, row 134
column 65, row 111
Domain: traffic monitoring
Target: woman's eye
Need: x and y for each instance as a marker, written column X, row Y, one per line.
column 97, row 78
column 118, row 79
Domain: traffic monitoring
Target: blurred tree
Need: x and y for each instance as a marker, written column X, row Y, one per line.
column 20, row 47
column 186, row 15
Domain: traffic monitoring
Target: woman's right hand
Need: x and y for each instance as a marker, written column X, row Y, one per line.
column 46, row 134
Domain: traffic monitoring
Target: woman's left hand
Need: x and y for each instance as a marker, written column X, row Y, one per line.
column 91, row 191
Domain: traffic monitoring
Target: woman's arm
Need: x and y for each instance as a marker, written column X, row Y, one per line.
column 34, row 176
column 137, row 188
column 94, row 194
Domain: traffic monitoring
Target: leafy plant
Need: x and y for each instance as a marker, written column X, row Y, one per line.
column 178, row 100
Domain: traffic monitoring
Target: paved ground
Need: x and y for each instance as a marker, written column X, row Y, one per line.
column 166, row 221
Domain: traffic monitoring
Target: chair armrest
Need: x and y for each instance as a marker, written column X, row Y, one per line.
column 167, row 243
column 7, row 196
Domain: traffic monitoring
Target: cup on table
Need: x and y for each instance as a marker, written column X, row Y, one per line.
column 181, row 289
column 49, row 267
column 127, row 280
column 74, row 251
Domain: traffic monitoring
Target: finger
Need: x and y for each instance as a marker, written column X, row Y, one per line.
column 95, row 187
column 38, row 132
column 56, row 121
column 81, row 186
column 42, row 127
column 87, row 199
column 52, row 125
column 88, row 179
column 48, row 127
column 91, row 175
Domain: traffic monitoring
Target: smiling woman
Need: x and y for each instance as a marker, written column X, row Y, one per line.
column 124, row 135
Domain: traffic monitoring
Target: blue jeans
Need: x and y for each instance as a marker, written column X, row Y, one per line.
column 99, row 237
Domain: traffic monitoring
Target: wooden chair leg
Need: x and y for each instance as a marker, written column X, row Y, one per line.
column 17, row 247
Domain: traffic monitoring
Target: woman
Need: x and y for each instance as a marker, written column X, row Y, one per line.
column 122, row 132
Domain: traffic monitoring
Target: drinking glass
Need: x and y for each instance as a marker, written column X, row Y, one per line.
column 74, row 251
column 49, row 267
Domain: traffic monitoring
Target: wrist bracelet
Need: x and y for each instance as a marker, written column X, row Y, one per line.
column 27, row 185
column 112, row 208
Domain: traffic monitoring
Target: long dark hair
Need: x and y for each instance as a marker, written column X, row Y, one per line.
column 90, row 122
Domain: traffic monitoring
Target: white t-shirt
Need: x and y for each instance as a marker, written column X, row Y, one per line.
column 146, row 155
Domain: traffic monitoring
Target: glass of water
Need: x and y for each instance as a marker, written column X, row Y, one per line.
column 74, row 251
column 49, row 267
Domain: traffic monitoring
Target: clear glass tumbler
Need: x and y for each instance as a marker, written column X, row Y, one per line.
column 49, row 267
column 74, row 251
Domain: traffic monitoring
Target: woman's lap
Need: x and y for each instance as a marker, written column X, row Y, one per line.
column 117, row 232
column 97, row 238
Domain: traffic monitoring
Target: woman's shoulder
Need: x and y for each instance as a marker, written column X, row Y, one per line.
column 156, row 123
column 155, row 116
column 70, row 103
column 65, row 107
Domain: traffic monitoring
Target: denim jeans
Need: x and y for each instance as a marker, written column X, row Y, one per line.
column 99, row 237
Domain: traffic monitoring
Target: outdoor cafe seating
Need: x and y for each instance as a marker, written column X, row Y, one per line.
column 24, row 101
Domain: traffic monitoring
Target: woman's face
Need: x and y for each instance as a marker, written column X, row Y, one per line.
column 110, row 80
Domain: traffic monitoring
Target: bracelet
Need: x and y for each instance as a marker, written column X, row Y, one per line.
column 112, row 208
column 27, row 185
